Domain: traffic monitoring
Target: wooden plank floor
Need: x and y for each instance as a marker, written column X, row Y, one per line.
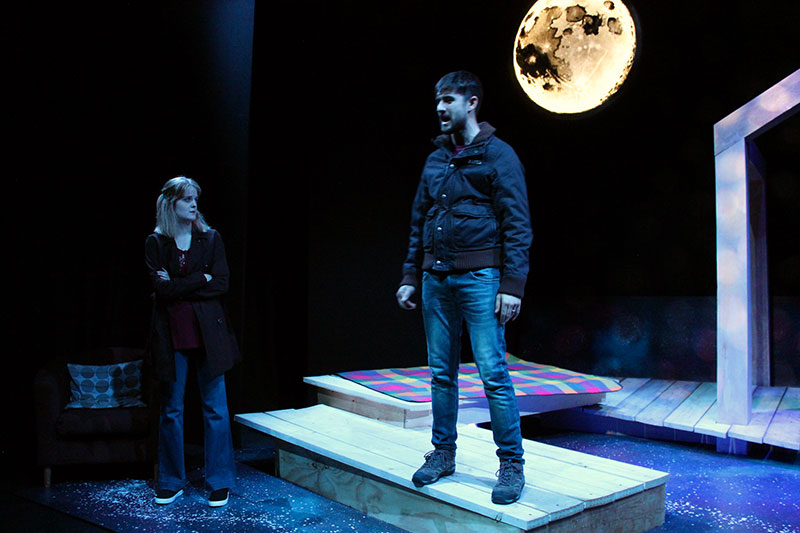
column 692, row 406
column 561, row 484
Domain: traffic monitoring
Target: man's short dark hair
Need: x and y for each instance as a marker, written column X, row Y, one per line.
column 461, row 82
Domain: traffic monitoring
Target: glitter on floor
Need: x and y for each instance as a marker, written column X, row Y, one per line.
column 260, row 502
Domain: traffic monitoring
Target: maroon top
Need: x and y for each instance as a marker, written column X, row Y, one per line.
column 182, row 321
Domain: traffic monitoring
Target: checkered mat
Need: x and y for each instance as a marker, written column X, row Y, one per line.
column 530, row 379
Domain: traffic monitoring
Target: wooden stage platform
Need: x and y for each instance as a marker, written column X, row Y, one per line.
column 350, row 396
column 360, row 447
column 688, row 406
column 692, row 407
column 368, row 464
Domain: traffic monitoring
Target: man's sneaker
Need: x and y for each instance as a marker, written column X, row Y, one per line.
column 510, row 480
column 165, row 496
column 218, row 498
column 438, row 463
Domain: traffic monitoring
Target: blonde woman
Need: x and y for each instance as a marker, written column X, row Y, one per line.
column 189, row 273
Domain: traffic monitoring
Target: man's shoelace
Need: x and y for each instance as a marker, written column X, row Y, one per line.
column 435, row 457
column 506, row 474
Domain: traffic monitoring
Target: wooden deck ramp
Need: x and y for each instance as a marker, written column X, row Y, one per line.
column 367, row 464
column 692, row 407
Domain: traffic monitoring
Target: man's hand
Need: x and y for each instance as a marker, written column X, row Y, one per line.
column 404, row 294
column 506, row 307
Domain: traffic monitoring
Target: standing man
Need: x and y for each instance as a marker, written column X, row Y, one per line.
column 469, row 241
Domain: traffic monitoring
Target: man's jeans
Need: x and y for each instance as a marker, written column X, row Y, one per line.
column 219, row 463
column 447, row 300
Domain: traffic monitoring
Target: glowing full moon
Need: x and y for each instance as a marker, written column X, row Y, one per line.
column 570, row 56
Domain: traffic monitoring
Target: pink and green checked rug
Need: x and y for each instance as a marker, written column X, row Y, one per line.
column 530, row 379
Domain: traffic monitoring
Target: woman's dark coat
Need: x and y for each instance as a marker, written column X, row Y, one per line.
column 206, row 256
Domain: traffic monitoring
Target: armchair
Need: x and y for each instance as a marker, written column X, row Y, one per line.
column 92, row 436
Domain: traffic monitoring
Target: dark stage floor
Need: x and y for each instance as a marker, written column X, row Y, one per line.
column 707, row 491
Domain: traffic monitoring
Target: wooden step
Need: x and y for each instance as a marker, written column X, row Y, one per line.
column 368, row 465
column 347, row 395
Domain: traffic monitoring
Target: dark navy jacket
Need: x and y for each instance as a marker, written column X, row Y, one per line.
column 471, row 212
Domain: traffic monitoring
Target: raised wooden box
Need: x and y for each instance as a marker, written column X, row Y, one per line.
column 347, row 395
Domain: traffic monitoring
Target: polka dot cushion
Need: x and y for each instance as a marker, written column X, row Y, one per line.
column 98, row 387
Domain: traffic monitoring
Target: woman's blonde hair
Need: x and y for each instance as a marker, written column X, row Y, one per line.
column 166, row 219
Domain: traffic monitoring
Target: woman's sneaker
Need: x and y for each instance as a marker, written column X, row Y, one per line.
column 218, row 498
column 166, row 496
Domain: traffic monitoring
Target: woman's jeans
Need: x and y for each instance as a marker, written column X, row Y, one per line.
column 447, row 301
column 219, row 463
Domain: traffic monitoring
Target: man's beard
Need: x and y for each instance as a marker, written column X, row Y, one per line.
column 452, row 126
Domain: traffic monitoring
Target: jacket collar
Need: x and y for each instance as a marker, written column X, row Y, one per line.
column 196, row 236
column 446, row 141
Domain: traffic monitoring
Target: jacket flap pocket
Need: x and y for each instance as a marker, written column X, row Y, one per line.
column 473, row 211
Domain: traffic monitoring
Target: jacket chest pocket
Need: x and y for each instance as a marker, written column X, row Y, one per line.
column 474, row 227
column 475, row 179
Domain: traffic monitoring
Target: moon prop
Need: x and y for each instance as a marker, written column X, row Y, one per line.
column 571, row 56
